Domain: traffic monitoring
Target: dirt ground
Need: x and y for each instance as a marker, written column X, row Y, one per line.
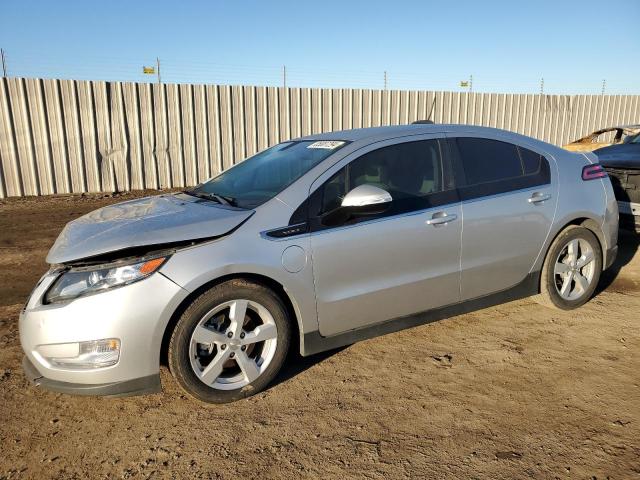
column 514, row 391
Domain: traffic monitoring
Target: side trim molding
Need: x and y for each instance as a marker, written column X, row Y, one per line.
column 316, row 343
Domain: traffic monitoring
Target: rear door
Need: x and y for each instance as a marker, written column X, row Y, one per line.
column 508, row 195
column 399, row 262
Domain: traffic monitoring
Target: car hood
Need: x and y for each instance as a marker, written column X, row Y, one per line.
column 162, row 219
column 620, row 156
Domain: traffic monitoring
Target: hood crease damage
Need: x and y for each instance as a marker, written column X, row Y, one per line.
column 143, row 225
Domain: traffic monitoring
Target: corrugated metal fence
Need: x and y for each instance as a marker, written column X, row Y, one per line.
column 65, row 136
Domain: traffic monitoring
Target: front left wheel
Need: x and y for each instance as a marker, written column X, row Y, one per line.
column 231, row 342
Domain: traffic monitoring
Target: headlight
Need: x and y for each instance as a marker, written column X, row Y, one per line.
column 82, row 281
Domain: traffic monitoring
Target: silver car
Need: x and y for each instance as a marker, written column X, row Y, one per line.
column 313, row 244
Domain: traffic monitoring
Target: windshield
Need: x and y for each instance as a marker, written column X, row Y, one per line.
column 261, row 177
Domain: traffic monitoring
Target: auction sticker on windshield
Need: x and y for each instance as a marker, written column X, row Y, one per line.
column 326, row 144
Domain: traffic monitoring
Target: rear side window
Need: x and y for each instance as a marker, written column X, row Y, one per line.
column 488, row 167
column 488, row 160
column 531, row 161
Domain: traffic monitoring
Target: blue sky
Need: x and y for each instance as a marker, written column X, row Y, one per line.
column 508, row 46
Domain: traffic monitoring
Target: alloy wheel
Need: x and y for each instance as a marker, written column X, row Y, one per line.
column 574, row 269
column 233, row 344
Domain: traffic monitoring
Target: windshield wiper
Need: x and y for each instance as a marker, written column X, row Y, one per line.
column 230, row 200
column 221, row 199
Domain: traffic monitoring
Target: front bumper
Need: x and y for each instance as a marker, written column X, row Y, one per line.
column 136, row 314
column 137, row 386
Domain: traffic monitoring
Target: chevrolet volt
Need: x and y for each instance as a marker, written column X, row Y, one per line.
column 313, row 244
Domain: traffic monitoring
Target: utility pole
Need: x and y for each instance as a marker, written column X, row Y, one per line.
column 542, row 86
column 470, row 83
column 284, row 76
column 158, row 67
column 4, row 63
column 604, row 85
column 385, row 79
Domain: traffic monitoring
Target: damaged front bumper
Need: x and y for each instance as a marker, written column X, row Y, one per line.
column 130, row 316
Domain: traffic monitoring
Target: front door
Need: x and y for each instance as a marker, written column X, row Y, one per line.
column 399, row 262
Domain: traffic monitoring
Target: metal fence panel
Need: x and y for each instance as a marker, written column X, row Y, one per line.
column 66, row 136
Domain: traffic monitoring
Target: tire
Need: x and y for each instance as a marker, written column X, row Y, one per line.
column 218, row 359
column 563, row 265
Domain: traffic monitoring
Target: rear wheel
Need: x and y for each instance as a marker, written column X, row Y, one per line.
column 571, row 269
column 230, row 342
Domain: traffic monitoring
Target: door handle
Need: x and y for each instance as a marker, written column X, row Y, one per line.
column 440, row 218
column 538, row 197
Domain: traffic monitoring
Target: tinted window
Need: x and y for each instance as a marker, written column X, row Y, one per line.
column 333, row 191
column 488, row 160
column 489, row 167
column 531, row 161
column 408, row 171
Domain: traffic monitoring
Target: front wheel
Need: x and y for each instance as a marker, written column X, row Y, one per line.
column 571, row 269
column 230, row 342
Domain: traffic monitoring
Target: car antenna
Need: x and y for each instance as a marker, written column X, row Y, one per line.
column 433, row 105
column 428, row 120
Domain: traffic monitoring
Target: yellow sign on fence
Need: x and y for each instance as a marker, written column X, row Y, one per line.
column 149, row 70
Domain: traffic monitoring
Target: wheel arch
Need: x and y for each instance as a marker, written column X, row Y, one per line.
column 591, row 224
column 279, row 289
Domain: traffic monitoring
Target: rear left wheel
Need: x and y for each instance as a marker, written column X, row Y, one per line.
column 230, row 342
column 571, row 270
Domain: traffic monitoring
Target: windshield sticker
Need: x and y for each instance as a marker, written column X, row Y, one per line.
column 326, row 144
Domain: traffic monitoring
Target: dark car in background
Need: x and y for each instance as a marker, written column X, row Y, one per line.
column 622, row 163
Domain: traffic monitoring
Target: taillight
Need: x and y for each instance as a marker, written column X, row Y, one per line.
column 592, row 172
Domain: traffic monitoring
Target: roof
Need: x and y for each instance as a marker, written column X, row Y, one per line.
column 395, row 131
column 376, row 134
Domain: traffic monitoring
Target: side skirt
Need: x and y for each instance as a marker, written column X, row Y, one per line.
column 316, row 343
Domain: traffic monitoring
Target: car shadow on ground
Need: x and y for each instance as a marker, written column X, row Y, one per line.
column 628, row 244
column 296, row 364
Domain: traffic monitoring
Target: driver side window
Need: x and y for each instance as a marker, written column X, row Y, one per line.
column 409, row 171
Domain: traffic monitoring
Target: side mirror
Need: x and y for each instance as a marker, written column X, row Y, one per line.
column 362, row 200
column 366, row 200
